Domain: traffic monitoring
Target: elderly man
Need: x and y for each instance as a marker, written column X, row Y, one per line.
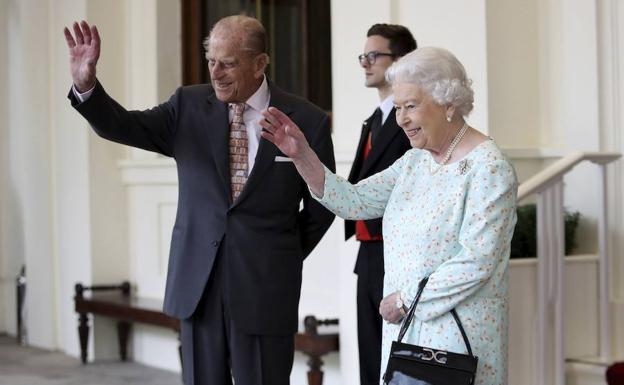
column 240, row 236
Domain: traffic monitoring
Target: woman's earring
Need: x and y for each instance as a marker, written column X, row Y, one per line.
column 448, row 118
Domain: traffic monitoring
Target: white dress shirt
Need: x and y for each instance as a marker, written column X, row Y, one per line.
column 385, row 107
column 255, row 104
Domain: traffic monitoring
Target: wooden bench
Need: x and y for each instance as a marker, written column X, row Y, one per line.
column 116, row 302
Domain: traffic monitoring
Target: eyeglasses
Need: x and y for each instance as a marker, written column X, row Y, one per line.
column 371, row 57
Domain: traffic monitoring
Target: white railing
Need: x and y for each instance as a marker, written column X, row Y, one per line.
column 548, row 185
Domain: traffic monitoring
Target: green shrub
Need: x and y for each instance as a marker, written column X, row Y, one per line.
column 524, row 241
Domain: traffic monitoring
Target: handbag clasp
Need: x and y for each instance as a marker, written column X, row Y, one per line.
column 438, row 355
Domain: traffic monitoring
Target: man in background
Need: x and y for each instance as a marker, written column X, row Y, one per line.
column 381, row 143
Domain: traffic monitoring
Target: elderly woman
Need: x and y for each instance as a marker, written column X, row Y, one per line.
column 448, row 207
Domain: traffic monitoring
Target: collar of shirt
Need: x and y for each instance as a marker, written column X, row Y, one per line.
column 255, row 104
column 258, row 101
column 386, row 106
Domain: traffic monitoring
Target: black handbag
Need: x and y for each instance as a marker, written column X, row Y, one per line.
column 419, row 365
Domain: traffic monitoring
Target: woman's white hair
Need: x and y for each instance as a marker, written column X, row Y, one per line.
column 439, row 74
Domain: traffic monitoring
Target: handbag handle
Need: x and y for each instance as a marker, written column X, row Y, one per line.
column 410, row 315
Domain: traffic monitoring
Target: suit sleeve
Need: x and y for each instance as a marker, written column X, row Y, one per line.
column 151, row 130
column 314, row 219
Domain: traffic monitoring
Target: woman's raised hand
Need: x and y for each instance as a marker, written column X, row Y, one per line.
column 284, row 133
column 84, row 52
column 280, row 130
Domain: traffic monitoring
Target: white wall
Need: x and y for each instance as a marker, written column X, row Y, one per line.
column 543, row 93
column 512, row 50
column 6, row 292
column 575, row 104
column 169, row 34
column 460, row 27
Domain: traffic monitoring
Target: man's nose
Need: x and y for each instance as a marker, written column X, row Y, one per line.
column 216, row 71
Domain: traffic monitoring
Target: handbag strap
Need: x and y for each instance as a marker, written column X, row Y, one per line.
column 407, row 320
column 463, row 333
column 410, row 315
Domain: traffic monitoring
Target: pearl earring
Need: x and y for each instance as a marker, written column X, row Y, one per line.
column 448, row 118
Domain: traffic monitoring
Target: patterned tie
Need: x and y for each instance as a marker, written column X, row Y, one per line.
column 238, row 151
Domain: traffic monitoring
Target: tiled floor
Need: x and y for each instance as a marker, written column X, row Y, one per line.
column 29, row 366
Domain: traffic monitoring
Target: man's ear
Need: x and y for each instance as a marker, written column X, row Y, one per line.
column 261, row 62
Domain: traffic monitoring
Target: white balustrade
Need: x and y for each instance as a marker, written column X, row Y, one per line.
column 548, row 185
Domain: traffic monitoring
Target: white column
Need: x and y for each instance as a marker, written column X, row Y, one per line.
column 88, row 197
column 107, row 204
column 559, row 275
column 142, row 59
column 549, row 357
column 30, row 236
column 611, row 45
column 70, row 162
column 604, row 282
column 107, row 195
column 7, row 322
column 543, row 294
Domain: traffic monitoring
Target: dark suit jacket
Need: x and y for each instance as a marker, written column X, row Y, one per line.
column 391, row 144
column 262, row 238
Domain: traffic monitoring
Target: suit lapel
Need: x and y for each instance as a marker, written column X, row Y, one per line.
column 359, row 154
column 389, row 129
column 266, row 150
column 217, row 121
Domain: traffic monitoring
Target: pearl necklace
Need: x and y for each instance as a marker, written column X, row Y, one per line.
column 451, row 148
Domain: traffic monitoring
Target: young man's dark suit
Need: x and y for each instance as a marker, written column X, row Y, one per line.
column 251, row 251
column 387, row 146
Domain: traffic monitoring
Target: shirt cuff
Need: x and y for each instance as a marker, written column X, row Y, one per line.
column 82, row 96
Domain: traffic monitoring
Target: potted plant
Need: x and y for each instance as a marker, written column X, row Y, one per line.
column 524, row 241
